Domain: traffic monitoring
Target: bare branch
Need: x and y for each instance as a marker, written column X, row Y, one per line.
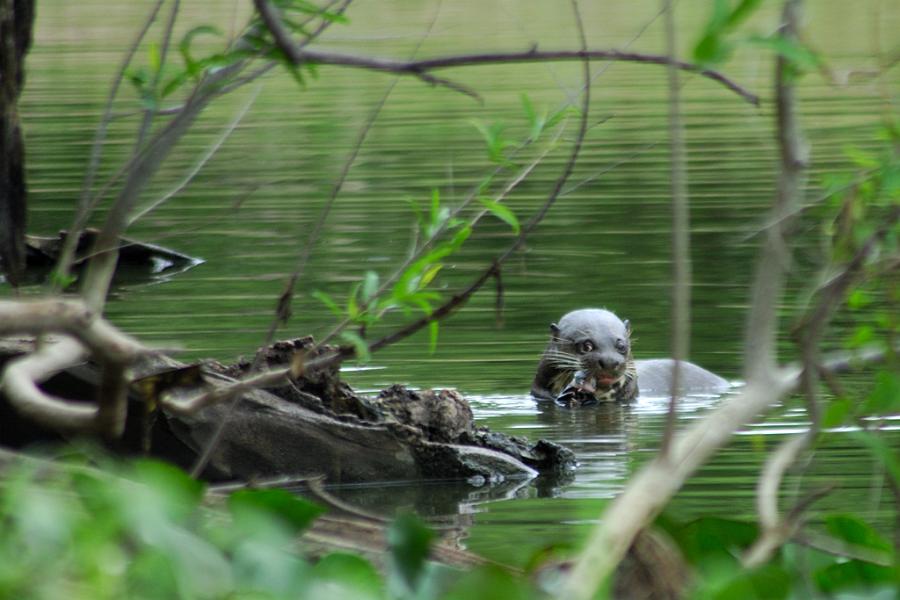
column 681, row 232
column 762, row 322
column 421, row 68
column 773, row 531
column 200, row 163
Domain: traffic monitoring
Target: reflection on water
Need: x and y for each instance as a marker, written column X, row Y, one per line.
column 605, row 243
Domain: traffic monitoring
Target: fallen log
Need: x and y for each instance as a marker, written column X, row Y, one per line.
column 315, row 425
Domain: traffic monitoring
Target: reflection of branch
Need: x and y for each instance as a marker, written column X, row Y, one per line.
column 421, row 68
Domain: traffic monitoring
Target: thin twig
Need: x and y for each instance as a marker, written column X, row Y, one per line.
column 462, row 297
column 418, row 250
column 150, row 113
column 67, row 253
column 199, row 165
column 421, row 68
column 681, row 259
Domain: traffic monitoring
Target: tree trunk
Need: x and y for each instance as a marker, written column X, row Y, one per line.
column 16, row 19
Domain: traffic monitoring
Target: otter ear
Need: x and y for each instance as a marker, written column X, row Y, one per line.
column 627, row 326
column 554, row 330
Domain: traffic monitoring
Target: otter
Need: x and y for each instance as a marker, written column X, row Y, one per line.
column 589, row 360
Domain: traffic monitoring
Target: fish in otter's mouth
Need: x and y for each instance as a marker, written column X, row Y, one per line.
column 586, row 389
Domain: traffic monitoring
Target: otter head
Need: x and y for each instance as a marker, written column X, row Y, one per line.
column 592, row 350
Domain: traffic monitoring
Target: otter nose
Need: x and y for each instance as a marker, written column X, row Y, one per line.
column 609, row 363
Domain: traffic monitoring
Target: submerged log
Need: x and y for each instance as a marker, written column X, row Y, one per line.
column 313, row 425
column 138, row 261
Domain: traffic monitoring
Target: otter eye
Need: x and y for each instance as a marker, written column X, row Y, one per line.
column 585, row 346
column 621, row 346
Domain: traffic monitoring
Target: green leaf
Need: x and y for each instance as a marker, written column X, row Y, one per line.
column 861, row 158
column 714, row 540
column 369, row 286
column 490, row 581
column 713, row 46
column 858, row 299
column 154, row 57
column 880, row 450
column 280, row 505
column 438, row 215
column 409, row 540
column 854, row 576
column 433, row 327
column 502, row 212
column 345, row 576
column 179, row 492
column 741, row 12
column 184, row 47
column 429, row 274
column 460, row 237
column 712, row 49
column 328, row 302
column 528, row 107
column 800, row 56
column 536, row 121
column 58, row 280
column 174, row 83
column 359, row 345
column 559, row 115
column 769, row 582
column 352, row 303
column 854, row 530
column 836, row 412
column 493, row 138
column 885, row 396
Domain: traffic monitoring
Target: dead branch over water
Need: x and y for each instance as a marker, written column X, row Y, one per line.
column 422, row 68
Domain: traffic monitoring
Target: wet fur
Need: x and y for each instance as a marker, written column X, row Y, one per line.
column 561, row 359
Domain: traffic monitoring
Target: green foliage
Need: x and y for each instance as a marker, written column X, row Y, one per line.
column 409, row 540
column 490, row 582
column 720, row 39
column 439, row 235
column 715, row 46
column 496, row 142
column 502, row 212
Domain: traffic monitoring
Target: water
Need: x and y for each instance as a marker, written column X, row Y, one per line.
column 605, row 243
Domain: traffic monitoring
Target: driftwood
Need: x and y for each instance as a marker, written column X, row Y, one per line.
column 138, row 261
column 313, row 426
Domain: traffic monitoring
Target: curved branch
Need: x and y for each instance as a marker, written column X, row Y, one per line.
column 422, row 68
column 87, row 334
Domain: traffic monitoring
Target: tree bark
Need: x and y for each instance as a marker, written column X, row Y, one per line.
column 16, row 20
